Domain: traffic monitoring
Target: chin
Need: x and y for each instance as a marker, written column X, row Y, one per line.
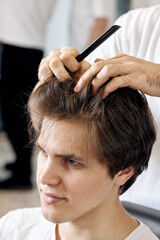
column 50, row 215
column 53, row 215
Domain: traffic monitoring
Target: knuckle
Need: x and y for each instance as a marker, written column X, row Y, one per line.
column 42, row 73
column 69, row 49
column 122, row 81
column 86, row 65
column 124, row 55
column 42, row 67
column 97, row 65
column 64, row 56
column 65, row 48
column 53, row 53
column 42, row 61
column 54, row 62
column 108, row 68
column 74, row 51
column 98, row 60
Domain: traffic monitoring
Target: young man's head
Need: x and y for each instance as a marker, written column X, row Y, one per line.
column 91, row 148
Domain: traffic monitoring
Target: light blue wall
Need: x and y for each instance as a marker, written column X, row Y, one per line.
column 57, row 33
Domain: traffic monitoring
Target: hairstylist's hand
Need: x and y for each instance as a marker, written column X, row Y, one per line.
column 58, row 61
column 125, row 71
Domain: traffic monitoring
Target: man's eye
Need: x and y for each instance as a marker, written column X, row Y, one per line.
column 71, row 162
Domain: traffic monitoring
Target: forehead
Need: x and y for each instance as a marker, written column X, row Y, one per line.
column 66, row 136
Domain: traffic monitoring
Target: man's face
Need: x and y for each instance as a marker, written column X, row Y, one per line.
column 72, row 184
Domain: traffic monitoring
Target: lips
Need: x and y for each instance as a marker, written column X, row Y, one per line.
column 49, row 198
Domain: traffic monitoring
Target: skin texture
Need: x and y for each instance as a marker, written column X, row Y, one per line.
column 88, row 206
column 99, row 26
column 122, row 71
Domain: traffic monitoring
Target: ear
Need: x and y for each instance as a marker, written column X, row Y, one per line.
column 122, row 176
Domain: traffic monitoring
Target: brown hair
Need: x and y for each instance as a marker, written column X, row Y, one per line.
column 122, row 123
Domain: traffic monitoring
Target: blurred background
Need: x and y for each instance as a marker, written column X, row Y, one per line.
column 65, row 26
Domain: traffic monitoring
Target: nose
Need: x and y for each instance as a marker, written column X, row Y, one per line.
column 50, row 173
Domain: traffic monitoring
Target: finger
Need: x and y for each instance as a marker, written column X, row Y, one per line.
column 68, row 57
column 88, row 75
column 121, row 55
column 115, row 83
column 70, row 62
column 54, row 53
column 44, row 72
column 107, row 72
column 70, row 49
column 113, row 67
column 62, row 59
column 57, row 67
column 85, row 66
column 102, row 73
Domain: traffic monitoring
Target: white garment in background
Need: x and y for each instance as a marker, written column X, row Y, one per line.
column 28, row 224
column 139, row 36
column 23, row 22
column 83, row 13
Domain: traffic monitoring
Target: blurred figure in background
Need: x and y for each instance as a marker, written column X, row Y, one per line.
column 143, row 3
column 88, row 20
column 22, row 36
column 123, row 6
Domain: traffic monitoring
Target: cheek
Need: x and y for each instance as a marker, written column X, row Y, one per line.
column 91, row 188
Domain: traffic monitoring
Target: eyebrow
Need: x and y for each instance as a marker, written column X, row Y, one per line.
column 68, row 156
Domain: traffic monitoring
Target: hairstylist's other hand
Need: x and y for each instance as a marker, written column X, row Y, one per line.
column 124, row 71
column 58, row 61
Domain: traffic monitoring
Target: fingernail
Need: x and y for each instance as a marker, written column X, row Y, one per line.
column 76, row 88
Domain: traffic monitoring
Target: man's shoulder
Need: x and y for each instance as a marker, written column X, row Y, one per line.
column 140, row 18
column 142, row 232
column 24, row 213
column 24, row 224
column 141, row 11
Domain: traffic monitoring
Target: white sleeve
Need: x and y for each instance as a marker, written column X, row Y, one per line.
column 138, row 36
column 4, row 224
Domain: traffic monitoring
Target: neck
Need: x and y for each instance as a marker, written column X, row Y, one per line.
column 113, row 223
